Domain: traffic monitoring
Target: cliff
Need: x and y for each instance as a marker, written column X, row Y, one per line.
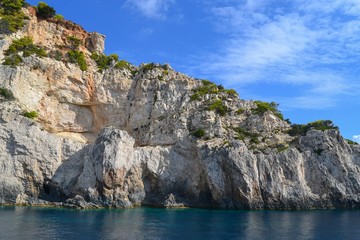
column 82, row 129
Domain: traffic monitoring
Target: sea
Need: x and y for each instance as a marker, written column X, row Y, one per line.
column 155, row 223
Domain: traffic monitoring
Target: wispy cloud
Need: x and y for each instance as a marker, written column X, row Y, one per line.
column 304, row 42
column 356, row 138
column 156, row 9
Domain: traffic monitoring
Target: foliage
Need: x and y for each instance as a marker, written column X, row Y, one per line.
column 351, row 142
column 57, row 55
column 231, row 92
column 26, row 46
column 45, row 11
column 301, row 129
column 59, row 16
column 262, row 107
column 31, row 114
column 104, row 62
column 122, row 64
column 240, row 111
column 78, row 58
column 318, row 151
column 74, row 42
column 210, row 88
column 7, row 94
column 148, row 67
column 11, row 6
column 281, row 147
column 13, row 60
column 242, row 134
column 12, row 18
column 199, row 133
column 219, row 107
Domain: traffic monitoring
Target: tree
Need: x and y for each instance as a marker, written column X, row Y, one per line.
column 45, row 11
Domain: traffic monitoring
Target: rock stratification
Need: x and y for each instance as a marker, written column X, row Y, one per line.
column 125, row 136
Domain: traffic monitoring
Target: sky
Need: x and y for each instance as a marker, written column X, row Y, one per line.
column 302, row 54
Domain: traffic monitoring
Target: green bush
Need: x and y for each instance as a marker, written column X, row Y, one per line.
column 301, row 129
column 57, row 55
column 74, row 42
column 122, row 64
column 219, row 107
column 351, row 142
column 262, row 107
column 7, row 94
column 199, row 133
column 231, row 92
column 13, row 60
column 45, row 11
column 78, row 58
column 59, row 16
column 241, row 134
column 240, row 111
column 12, row 18
column 211, row 88
column 26, row 46
column 11, row 6
column 148, row 67
column 31, row 114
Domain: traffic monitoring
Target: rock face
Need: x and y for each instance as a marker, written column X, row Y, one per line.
column 147, row 135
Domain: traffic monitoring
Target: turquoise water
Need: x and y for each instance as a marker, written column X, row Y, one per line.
column 148, row 223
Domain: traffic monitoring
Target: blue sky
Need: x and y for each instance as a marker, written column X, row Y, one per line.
column 303, row 54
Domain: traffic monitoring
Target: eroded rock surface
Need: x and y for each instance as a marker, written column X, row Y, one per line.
column 148, row 135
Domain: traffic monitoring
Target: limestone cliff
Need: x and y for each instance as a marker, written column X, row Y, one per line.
column 106, row 133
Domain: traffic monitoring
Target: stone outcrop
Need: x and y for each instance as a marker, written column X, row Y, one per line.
column 126, row 137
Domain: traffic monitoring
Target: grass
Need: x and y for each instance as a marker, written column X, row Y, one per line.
column 351, row 142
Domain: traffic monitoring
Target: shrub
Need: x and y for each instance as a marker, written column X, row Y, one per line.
column 12, row 18
column 211, row 88
column 241, row 134
column 199, row 133
column 301, row 129
column 231, row 92
column 351, row 142
column 26, row 46
column 219, row 107
column 5, row 26
column 45, row 11
column 74, row 42
column 148, row 67
column 240, row 111
column 122, row 64
column 31, row 114
column 13, row 60
column 7, row 94
column 59, row 16
column 78, row 58
column 57, row 55
column 282, row 147
column 262, row 107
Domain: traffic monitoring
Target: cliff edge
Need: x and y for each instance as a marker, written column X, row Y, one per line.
column 82, row 129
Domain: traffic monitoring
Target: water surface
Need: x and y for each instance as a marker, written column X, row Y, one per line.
column 150, row 223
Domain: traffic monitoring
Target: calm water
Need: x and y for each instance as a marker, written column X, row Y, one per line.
column 147, row 223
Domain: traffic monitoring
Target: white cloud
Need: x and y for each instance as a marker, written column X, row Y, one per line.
column 151, row 8
column 302, row 42
column 356, row 138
